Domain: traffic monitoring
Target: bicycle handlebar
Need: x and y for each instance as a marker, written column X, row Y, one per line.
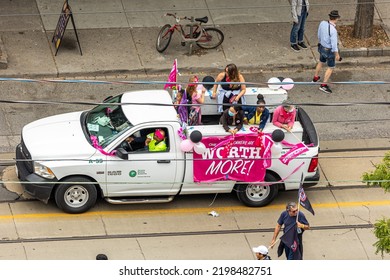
column 177, row 17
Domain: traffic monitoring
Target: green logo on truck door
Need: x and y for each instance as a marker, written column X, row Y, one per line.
column 133, row 173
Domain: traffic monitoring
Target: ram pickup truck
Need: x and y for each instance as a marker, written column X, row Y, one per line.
column 75, row 158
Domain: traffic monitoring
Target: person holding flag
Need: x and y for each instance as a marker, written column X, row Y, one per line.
column 295, row 223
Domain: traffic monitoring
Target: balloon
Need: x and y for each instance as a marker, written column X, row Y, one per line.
column 277, row 135
column 276, row 150
column 274, row 80
column 186, row 145
column 199, row 148
column 196, row 136
column 288, row 86
column 208, row 79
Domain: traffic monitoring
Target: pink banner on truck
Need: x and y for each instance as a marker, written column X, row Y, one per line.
column 239, row 159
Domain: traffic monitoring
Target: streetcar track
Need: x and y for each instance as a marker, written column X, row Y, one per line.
column 174, row 234
column 308, row 189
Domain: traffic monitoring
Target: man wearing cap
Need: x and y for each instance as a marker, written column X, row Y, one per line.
column 284, row 116
column 155, row 141
column 261, row 253
column 328, row 49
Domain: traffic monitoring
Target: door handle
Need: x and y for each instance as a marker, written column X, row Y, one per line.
column 163, row 161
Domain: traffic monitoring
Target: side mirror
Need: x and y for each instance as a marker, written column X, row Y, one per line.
column 121, row 153
column 107, row 98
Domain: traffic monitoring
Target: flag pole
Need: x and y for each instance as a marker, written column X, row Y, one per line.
column 296, row 137
column 177, row 88
column 299, row 196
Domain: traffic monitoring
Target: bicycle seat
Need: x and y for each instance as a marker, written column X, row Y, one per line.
column 203, row 19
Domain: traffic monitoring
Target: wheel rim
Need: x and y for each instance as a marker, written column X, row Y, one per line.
column 76, row 196
column 210, row 39
column 163, row 38
column 257, row 192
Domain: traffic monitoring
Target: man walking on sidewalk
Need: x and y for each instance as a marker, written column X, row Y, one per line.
column 299, row 12
column 327, row 47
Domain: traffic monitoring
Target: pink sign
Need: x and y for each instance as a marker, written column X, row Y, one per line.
column 293, row 153
column 238, row 159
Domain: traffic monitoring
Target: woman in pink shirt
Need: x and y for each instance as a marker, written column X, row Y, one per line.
column 284, row 116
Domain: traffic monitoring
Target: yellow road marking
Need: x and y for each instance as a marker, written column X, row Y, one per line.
column 94, row 214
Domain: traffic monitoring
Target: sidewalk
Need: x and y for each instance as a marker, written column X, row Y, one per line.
column 118, row 37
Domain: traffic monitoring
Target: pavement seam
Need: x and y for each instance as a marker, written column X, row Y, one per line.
column 140, row 248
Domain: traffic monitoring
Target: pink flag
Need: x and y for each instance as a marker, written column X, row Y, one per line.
column 172, row 76
column 295, row 151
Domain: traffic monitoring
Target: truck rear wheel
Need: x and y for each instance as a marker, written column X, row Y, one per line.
column 76, row 195
column 257, row 195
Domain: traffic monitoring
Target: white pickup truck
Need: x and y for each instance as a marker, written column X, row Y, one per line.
column 75, row 158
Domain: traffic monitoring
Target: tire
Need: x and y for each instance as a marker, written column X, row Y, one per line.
column 76, row 195
column 255, row 195
column 164, row 38
column 211, row 38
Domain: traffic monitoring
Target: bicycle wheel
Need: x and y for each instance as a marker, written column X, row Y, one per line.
column 211, row 38
column 164, row 38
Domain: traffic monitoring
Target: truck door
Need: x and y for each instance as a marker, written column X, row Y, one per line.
column 145, row 173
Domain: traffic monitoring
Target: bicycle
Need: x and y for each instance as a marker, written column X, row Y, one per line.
column 204, row 37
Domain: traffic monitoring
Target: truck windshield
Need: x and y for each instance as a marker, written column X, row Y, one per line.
column 107, row 122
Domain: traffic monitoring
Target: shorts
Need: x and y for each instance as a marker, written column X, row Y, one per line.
column 326, row 55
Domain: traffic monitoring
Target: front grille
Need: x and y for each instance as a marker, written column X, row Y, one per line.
column 24, row 157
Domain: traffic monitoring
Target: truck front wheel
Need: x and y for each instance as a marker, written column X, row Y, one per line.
column 257, row 195
column 76, row 195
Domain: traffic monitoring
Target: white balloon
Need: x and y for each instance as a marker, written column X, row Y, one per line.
column 274, row 80
column 288, row 86
column 199, row 148
column 276, row 150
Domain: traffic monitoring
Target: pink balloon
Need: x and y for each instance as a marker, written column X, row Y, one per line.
column 287, row 86
column 186, row 145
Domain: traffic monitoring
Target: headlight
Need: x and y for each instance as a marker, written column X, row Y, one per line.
column 43, row 171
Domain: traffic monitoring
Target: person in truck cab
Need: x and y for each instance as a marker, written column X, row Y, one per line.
column 155, row 141
column 232, row 116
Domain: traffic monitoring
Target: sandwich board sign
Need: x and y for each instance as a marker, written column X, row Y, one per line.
column 66, row 14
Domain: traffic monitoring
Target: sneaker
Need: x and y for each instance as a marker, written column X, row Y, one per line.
column 302, row 45
column 295, row 48
column 316, row 79
column 325, row 89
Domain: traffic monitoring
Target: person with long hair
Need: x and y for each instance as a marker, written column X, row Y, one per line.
column 196, row 94
column 230, row 93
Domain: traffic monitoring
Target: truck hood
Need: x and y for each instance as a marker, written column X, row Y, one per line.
column 59, row 136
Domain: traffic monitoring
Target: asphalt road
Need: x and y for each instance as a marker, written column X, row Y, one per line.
column 183, row 229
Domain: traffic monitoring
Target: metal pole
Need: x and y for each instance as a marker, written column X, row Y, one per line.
column 191, row 35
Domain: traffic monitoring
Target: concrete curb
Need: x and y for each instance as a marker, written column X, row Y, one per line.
column 3, row 56
column 209, row 70
column 365, row 52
